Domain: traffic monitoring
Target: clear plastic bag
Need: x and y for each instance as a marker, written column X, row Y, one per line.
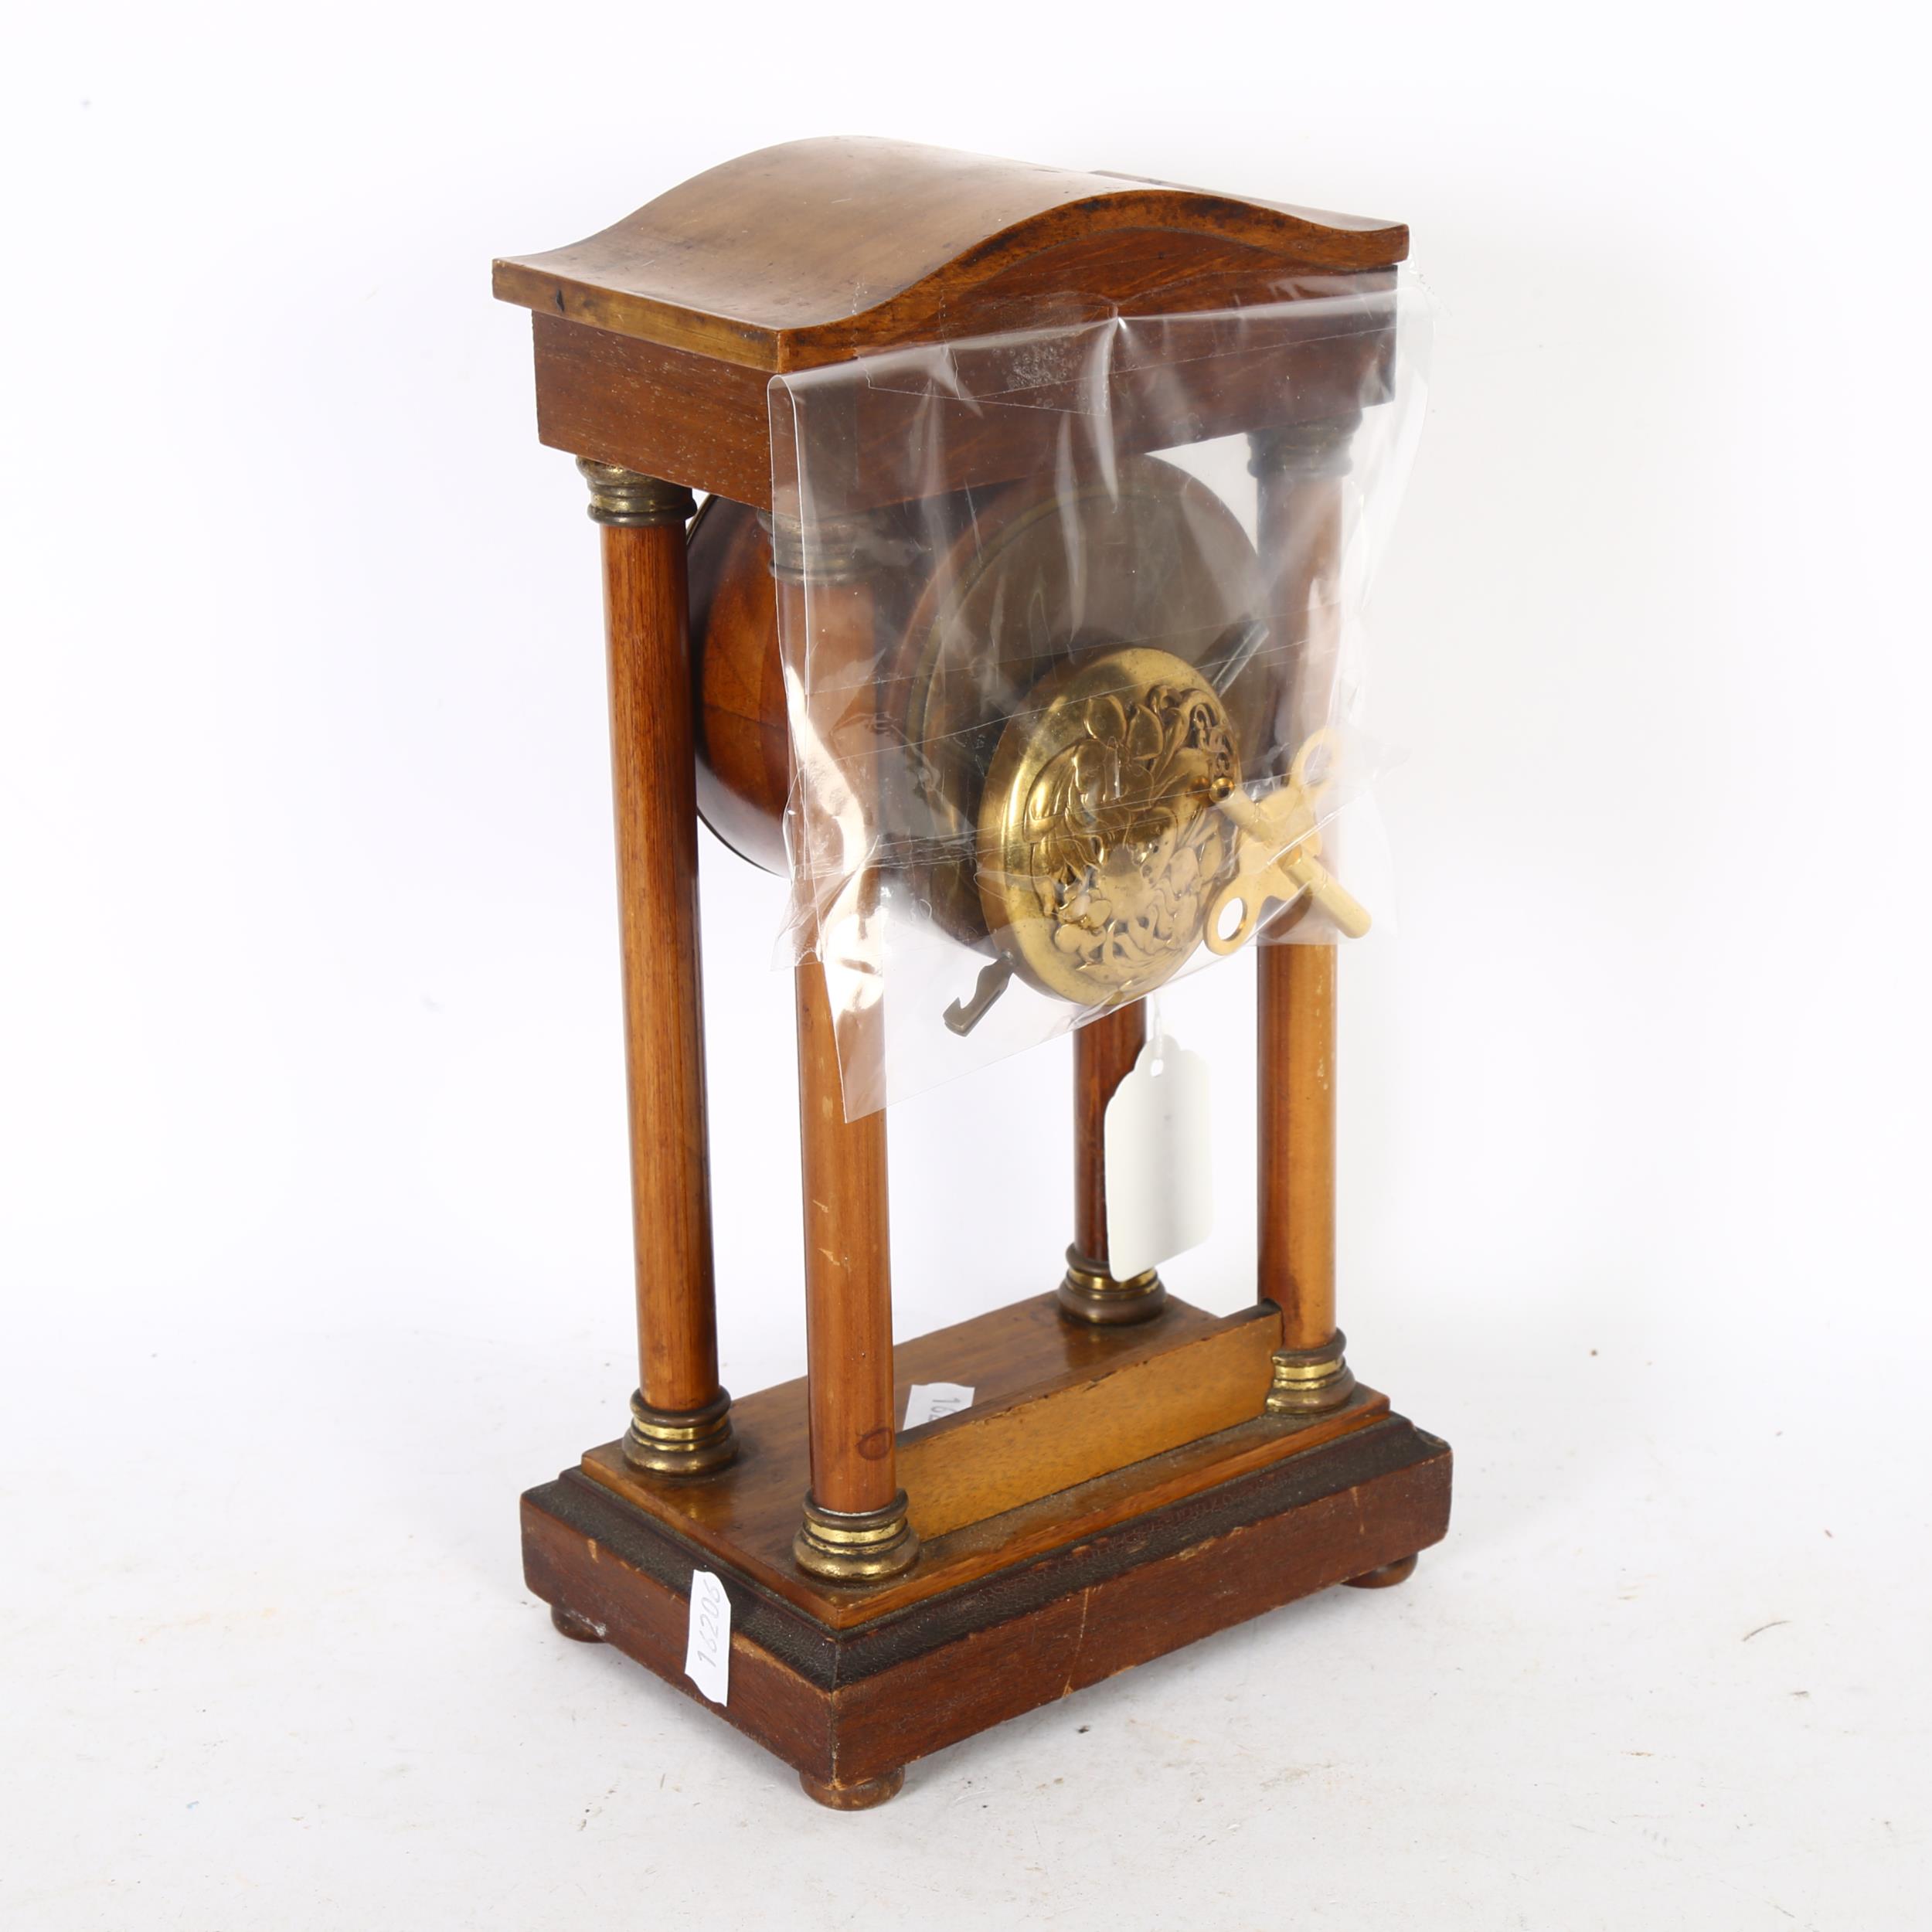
column 1070, row 623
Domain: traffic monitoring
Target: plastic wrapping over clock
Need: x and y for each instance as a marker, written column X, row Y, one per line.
column 1071, row 625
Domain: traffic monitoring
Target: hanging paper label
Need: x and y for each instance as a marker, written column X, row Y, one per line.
column 1160, row 1181
column 707, row 1644
column 930, row 1400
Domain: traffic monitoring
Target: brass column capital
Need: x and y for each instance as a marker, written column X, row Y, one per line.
column 1313, row 449
column 829, row 550
column 630, row 501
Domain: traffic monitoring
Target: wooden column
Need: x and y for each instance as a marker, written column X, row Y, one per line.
column 855, row 1528
column 1296, row 1047
column 1298, row 473
column 680, row 1417
column 1105, row 1051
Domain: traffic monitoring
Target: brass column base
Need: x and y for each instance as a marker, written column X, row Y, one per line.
column 1310, row 1382
column 1089, row 1294
column 861, row 1546
column 687, row 1442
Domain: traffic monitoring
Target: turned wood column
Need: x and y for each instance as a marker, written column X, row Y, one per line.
column 855, row 1529
column 1298, row 471
column 680, row 1417
column 1105, row 1051
column 1296, row 1039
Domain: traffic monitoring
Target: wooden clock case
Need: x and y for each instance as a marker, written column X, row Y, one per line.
column 1133, row 1473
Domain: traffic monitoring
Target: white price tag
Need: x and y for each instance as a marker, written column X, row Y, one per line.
column 930, row 1400
column 707, row 1645
column 1160, row 1180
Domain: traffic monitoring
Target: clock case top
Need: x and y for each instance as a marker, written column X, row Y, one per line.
column 656, row 339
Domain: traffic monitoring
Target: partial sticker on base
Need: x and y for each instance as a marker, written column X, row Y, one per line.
column 707, row 1645
column 930, row 1400
column 1160, row 1174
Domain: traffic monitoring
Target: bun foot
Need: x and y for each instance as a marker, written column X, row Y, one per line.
column 1386, row 1577
column 580, row 1629
column 861, row 1797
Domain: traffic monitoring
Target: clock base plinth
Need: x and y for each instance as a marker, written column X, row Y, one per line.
column 1001, row 1615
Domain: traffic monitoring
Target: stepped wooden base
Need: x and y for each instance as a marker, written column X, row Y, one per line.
column 1047, row 1563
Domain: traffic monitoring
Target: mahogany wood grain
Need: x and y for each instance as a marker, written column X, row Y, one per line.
column 1295, row 1082
column 1105, row 1051
column 1013, row 1355
column 1226, row 1573
column 815, row 250
column 660, row 411
column 1012, row 1358
column 848, row 1702
column 580, row 1556
column 654, row 791
column 746, row 1515
column 669, row 413
column 848, row 1341
column 996, row 1456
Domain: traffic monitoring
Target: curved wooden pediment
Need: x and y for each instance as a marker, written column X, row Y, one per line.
column 815, row 250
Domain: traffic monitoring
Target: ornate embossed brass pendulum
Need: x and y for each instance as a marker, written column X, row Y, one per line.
column 1100, row 846
column 962, row 571
column 1114, row 834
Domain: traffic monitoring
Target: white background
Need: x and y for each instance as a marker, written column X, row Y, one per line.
column 312, row 1176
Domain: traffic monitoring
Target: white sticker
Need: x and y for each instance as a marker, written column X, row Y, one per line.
column 930, row 1400
column 707, row 1645
column 1160, row 1180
